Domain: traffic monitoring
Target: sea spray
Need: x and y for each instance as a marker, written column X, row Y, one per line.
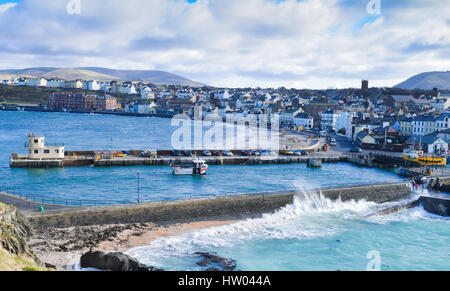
column 310, row 216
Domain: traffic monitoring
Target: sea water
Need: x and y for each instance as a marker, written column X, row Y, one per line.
column 156, row 183
column 314, row 233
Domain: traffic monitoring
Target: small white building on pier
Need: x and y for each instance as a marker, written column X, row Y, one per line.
column 37, row 150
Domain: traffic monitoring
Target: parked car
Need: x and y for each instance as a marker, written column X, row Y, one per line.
column 356, row 150
column 227, row 154
column 266, row 153
column 206, row 153
column 188, row 153
column 255, row 153
column 304, row 153
column 287, row 152
column 176, row 153
column 217, row 153
column 333, row 142
column 298, row 153
column 246, row 153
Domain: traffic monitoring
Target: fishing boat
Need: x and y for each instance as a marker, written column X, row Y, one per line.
column 197, row 168
column 424, row 159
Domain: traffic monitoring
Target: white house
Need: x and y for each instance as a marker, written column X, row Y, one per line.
column 440, row 104
column 304, row 120
column 7, row 82
column 147, row 93
column 185, row 94
column 91, row 85
column 329, row 120
column 443, row 122
column 344, row 122
column 424, row 125
column 288, row 116
column 222, row 95
column 127, row 88
column 76, row 84
column 433, row 144
column 55, row 83
column 36, row 82
column 141, row 108
column 20, row 82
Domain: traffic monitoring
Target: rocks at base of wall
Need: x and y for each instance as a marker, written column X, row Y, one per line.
column 438, row 206
column 117, row 262
column 215, row 262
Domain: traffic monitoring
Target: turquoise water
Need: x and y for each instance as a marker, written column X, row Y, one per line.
column 314, row 234
column 92, row 132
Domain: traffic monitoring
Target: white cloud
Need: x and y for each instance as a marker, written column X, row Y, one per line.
column 6, row 6
column 309, row 43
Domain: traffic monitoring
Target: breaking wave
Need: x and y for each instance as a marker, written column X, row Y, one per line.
column 311, row 215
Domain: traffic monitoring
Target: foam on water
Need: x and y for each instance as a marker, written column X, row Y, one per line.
column 314, row 233
column 311, row 215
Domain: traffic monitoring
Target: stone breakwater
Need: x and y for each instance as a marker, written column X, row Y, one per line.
column 164, row 158
column 221, row 208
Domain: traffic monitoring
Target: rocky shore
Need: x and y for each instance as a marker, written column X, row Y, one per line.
column 15, row 253
column 64, row 248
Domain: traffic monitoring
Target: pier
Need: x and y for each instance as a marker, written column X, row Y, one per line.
column 163, row 158
column 236, row 206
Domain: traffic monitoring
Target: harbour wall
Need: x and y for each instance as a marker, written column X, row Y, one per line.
column 229, row 207
column 435, row 205
column 164, row 160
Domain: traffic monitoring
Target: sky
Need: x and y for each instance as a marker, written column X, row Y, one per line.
column 315, row 44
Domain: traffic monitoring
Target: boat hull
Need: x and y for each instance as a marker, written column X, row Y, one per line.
column 178, row 171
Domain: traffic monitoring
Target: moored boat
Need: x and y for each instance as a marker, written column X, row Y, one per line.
column 424, row 159
column 197, row 168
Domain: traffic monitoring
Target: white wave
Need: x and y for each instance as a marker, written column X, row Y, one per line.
column 311, row 215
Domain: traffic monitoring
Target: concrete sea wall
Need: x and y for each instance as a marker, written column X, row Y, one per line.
column 438, row 206
column 230, row 207
column 166, row 160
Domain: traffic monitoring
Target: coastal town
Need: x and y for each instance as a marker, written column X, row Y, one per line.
column 232, row 144
column 386, row 119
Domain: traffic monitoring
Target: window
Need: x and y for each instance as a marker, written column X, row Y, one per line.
column 46, row 151
column 57, row 151
column 36, row 151
column 36, row 141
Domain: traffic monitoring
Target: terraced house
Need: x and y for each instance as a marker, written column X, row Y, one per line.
column 423, row 125
column 406, row 126
column 426, row 124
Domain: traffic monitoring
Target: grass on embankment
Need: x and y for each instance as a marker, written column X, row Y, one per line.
column 10, row 262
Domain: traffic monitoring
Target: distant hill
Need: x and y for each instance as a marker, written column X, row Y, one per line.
column 427, row 81
column 104, row 74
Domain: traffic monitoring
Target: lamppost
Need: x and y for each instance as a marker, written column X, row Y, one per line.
column 138, row 172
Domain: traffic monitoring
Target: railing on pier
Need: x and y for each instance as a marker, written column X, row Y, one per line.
column 31, row 201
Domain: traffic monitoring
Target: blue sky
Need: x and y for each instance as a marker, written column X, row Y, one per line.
column 234, row 43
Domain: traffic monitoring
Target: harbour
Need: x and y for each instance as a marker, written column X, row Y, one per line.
column 88, row 192
column 224, row 136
